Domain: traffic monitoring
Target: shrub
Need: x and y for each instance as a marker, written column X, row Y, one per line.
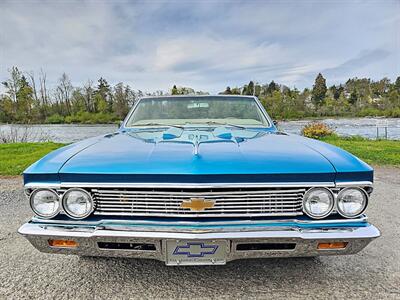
column 369, row 111
column 23, row 134
column 395, row 113
column 55, row 119
column 84, row 117
column 317, row 130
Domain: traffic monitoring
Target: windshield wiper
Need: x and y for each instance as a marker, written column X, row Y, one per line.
column 158, row 124
column 228, row 124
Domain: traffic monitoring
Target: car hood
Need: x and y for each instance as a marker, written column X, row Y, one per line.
column 178, row 155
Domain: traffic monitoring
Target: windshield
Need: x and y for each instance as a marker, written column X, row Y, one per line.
column 197, row 110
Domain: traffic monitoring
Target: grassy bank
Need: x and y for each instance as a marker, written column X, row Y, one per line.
column 375, row 152
column 14, row 158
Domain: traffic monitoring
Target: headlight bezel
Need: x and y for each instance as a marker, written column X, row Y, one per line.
column 31, row 199
column 67, row 211
column 365, row 204
column 331, row 205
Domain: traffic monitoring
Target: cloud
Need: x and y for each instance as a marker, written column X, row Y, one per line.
column 350, row 67
column 155, row 45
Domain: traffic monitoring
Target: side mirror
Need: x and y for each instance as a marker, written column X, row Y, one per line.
column 275, row 122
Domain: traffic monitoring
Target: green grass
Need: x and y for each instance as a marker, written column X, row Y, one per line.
column 15, row 158
column 376, row 152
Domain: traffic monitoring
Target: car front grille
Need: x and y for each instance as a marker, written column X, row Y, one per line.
column 220, row 202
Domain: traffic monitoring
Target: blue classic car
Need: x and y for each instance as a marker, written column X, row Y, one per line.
column 197, row 180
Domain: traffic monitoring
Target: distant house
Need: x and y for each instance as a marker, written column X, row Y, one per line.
column 308, row 102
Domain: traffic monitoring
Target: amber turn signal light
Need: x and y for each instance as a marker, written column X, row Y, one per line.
column 332, row 246
column 63, row 243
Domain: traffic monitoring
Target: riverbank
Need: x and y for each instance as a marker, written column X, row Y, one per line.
column 15, row 158
column 374, row 152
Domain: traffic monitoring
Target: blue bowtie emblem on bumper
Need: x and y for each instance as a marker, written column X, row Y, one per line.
column 195, row 249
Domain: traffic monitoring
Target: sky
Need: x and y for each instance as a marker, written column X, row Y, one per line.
column 206, row 45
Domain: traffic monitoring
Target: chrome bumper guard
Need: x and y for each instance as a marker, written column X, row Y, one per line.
column 244, row 239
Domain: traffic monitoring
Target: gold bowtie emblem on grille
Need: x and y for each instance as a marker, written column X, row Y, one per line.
column 197, row 204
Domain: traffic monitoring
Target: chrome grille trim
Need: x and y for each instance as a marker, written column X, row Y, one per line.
column 228, row 202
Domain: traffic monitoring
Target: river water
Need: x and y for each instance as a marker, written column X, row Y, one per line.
column 67, row 133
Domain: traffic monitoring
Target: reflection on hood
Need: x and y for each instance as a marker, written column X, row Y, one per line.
column 195, row 136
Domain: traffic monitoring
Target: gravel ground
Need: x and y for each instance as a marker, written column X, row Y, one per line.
column 373, row 273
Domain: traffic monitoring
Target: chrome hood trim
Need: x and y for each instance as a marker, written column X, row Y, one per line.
column 33, row 185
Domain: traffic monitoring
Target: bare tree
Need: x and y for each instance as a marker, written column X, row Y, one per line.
column 64, row 91
column 43, row 89
column 88, row 96
column 40, row 93
column 31, row 76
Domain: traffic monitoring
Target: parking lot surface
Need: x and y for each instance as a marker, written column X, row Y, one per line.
column 374, row 273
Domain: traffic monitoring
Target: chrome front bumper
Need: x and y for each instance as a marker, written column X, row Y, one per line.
column 94, row 238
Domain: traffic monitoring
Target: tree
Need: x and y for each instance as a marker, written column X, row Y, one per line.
column 13, row 84
column 319, row 90
column 25, row 102
column 250, row 89
column 40, row 93
column 353, row 97
column 227, row 91
column 335, row 91
column 103, row 97
column 124, row 97
column 397, row 84
column 235, row 91
column 20, row 97
column 88, row 96
column 272, row 87
column 174, row 90
column 64, row 92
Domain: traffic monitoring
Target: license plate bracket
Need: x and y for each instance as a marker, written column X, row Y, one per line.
column 194, row 252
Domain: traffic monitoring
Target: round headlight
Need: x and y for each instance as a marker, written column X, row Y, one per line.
column 45, row 203
column 318, row 202
column 351, row 202
column 77, row 203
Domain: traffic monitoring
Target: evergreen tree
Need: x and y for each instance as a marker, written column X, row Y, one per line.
column 319, row 90
column 397, row 84
column 353, row 97
column 103, row 96
column 103, row 88
column 174, row 90
column 272, row 86
column 250, row 88
column 227, row 91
